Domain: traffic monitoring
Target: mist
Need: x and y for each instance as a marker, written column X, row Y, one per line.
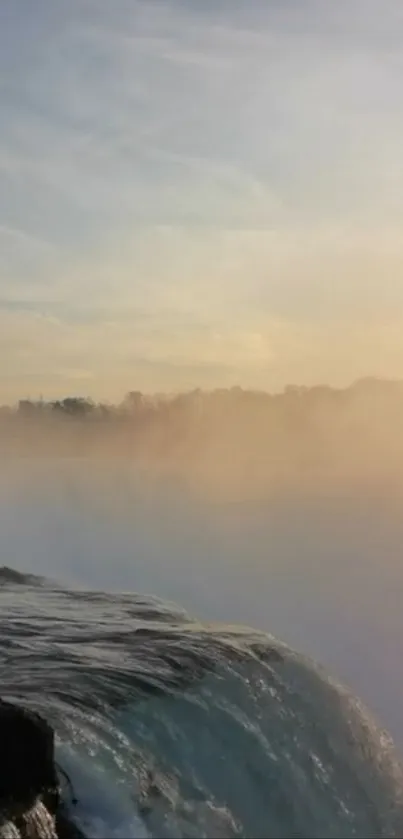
column 277, row 511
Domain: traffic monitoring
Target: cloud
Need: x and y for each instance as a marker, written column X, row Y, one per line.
column 213, row 188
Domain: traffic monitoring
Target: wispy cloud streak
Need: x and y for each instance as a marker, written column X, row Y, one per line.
column 187, row 171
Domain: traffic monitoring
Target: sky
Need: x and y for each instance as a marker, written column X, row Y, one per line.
column 199, row 194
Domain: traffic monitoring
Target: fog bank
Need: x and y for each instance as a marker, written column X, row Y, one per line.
column 279, row 512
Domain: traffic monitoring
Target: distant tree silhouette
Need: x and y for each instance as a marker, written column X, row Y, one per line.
column 74, row 406
column 133, row 401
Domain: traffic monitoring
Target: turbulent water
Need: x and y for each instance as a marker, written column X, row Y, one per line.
column 169, row 728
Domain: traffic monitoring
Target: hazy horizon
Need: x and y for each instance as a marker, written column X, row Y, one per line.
column 165, row 394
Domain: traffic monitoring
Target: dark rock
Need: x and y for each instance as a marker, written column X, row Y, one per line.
column 30, row 801
column 28, row 742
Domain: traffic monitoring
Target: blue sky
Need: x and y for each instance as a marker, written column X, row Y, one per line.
column 199, row 194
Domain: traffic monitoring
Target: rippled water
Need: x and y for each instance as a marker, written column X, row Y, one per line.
column 170, row 728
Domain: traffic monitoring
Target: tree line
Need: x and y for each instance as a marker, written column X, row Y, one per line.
column 136, row 404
